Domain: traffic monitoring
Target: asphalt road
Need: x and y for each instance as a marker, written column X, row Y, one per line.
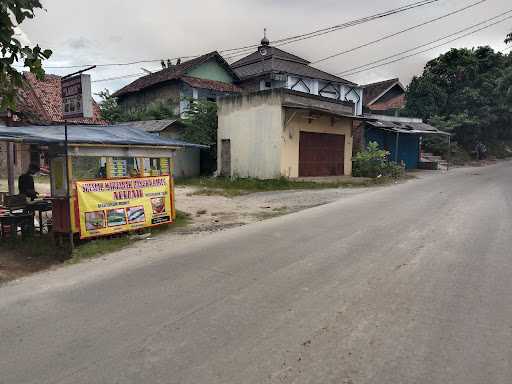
column 406, row 284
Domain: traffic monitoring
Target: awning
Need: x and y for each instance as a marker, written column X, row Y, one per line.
column 89, row 134
column 405, row 127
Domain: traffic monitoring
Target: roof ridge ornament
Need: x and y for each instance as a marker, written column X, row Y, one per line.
column 265, row 42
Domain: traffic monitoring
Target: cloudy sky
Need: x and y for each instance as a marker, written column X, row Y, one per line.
column 120, row 31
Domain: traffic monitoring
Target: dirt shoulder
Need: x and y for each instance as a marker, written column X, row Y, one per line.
column 205, row 213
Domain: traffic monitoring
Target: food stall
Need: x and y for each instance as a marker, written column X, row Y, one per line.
column 105, row 179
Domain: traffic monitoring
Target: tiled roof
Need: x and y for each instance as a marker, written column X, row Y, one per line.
column 40, row 101
column 173, row 73
column 374, row 90
column 274, row 52
column 210, row 84
column 277, row 60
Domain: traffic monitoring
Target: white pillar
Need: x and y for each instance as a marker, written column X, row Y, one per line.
column 10, row 168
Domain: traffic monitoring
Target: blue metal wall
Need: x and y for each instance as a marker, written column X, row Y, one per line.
column 408, row 145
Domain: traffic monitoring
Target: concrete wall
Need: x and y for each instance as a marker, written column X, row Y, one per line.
column 211, row 70
column 323, row 124
column 187, row 161
column 253, row 123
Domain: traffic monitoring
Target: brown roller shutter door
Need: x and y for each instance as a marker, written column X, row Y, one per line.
column 321, row 154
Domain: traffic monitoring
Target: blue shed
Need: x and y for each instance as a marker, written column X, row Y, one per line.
column 408, row 145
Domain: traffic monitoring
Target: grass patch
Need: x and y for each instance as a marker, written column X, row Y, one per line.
column 35, row 247
column 239, row 186
column 95, row 248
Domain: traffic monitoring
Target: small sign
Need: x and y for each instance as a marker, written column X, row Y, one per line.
column 77, row 96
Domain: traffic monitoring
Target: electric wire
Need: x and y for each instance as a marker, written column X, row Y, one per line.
column 429, row 49
column 425, row 44
column 399, row 32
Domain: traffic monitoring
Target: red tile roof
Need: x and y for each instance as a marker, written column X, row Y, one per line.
column 175, row 72
column 40, row 101
column 211, row 84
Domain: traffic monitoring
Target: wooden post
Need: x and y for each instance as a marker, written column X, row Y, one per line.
column 10, row 168
column 68, row 188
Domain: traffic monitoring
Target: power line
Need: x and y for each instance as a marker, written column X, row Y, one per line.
column 283, row 41
column 323, row 31
column 399, row 32
column 424, row 45
column 119, row 77
column 431, row 48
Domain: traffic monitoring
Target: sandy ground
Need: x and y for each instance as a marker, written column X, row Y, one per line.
column 211, row 213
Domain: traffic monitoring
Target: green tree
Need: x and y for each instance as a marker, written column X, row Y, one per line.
column 467, row 92
column 113, row 113
column 201, row 125
column 12, row 14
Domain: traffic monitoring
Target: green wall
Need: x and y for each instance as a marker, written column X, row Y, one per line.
column 211, row 70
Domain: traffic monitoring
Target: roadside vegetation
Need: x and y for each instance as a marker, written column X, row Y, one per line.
column 231, row 187
column 374, row 163
column 20, row 257
column 468, row 93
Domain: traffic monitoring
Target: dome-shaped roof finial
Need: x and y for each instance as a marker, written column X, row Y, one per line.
column 265, row 41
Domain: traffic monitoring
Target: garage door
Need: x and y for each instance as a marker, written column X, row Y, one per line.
column 321, row 154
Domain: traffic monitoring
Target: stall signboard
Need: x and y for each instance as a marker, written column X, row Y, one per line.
column 77, row 96
column 111, row 206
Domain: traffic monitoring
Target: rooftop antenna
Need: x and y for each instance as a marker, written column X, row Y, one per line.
column 169, row 64
column 162, row 63
column 147, row 71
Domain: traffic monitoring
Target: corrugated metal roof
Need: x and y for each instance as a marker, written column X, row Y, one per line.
column 149, row 125
column 87, row 134
column 408, row 128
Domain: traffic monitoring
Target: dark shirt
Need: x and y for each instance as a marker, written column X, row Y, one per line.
column 26, row 186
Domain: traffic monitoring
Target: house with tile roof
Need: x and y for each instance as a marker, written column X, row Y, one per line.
column 39, row 102
column 270, row 68
column 384, row 96
column 206, row 77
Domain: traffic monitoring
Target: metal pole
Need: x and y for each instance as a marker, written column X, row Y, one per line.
column 396, row 148
column 68, row 187
column 10, row 168
column 448, row 160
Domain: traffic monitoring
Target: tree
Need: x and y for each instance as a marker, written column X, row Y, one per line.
column 201, row 125
column 466, row 92
column 113, row 113
column 12, row 14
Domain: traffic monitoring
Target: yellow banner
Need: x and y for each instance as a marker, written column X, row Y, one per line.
column 117, row 205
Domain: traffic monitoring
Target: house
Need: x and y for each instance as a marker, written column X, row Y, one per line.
column 384, row 97
column 281, row 132
column 293, row 120
column 187, row 159
column 400, row 136
column 206, row 77
column 39, row 102
column 270, row 67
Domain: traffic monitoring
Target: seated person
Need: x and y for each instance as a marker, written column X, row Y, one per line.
column 26, row 182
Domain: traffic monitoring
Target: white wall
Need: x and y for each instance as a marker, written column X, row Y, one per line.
column 345, row 92
column 253, row 124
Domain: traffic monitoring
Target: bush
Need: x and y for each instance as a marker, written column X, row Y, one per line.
column 374, row 162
